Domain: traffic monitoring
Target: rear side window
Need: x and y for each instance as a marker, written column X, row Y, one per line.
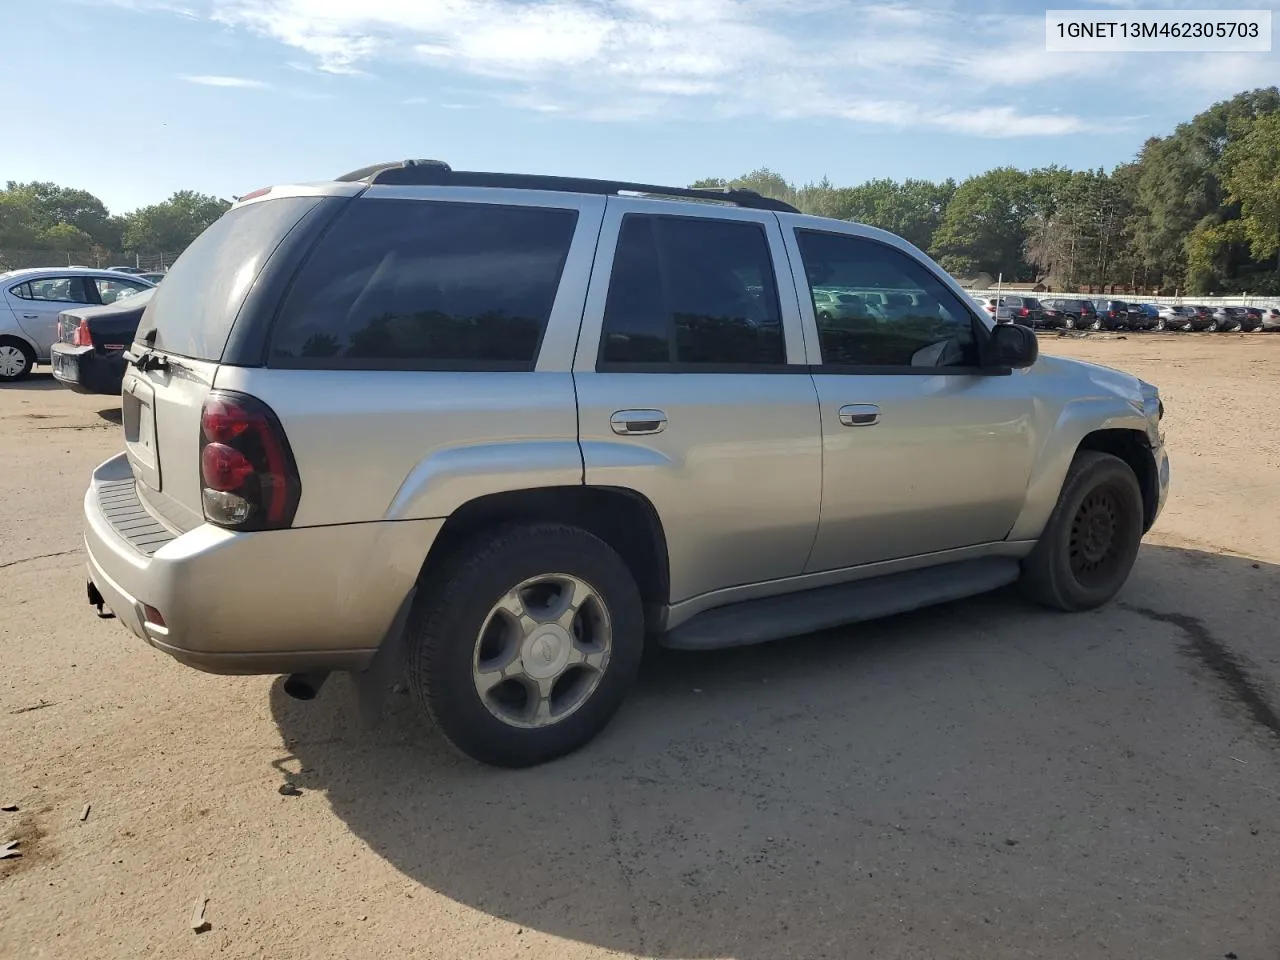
column 416, row 284
column 193, row 310
column 692, row 292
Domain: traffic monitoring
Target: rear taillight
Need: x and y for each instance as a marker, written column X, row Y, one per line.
column 248, row 477
column 1024, row 312
column 81, row 336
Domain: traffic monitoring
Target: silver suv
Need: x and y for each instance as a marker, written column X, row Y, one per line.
column 502, row 429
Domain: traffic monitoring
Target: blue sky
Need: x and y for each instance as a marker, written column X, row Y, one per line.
column 134, row 99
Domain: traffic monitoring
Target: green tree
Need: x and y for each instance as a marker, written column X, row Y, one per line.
column 913, row 209
column 172, row 225
column 1251, row 174
column 985, row 226
column 52, row 205
column 19, row 222
column 1179, row 185
column 67, row 238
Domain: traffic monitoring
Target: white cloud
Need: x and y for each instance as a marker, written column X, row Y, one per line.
column 893, row 63
column 215, row 81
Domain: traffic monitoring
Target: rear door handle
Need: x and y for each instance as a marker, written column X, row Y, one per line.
column 859, row 415
column 631, row 423
column 31, row 316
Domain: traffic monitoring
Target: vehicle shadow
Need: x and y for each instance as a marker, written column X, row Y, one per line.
column 36, row 380
column 112, row 415
column 986, row 774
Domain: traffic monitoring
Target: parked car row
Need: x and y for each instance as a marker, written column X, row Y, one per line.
column 32, row 299
column 1077, row 313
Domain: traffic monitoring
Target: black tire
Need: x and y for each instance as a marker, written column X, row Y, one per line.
column 1099, row 511
column 1069, row 322
column 1212, row 327
column 23, row 348
column 452, row 606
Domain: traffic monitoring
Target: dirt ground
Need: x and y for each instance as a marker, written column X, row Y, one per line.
column 983, row 780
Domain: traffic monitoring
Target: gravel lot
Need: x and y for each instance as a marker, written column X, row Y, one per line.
column 982, row 780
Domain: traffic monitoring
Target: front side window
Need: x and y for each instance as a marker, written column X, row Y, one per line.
column 894, row 312
column 685, row 290
column 413, row 283
column 62, row 290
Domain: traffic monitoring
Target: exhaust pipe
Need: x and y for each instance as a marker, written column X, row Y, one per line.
column 305, row 686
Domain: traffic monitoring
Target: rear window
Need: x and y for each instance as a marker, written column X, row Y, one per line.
column 424, row 284
column 193, row 310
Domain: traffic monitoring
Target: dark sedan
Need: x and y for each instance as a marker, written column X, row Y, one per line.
column 88, row 356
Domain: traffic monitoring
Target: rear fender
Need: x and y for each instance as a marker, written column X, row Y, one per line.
column 446, row 479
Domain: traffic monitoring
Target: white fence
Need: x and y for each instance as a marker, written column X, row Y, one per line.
column 1135, row 298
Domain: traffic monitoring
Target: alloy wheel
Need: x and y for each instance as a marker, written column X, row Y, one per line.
column 542, row 650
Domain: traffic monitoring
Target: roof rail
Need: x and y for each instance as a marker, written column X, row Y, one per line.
column 438, row 173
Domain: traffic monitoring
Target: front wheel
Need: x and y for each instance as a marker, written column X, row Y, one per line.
column 1090, row 543
column 1097, row 324
column 1069, row 322
column 1160, row 325
column 1212, row 327
column 526, row 643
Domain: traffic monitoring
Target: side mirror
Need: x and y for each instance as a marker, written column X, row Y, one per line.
column 1014, row 345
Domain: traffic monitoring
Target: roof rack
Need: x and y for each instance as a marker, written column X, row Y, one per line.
column 438, row 173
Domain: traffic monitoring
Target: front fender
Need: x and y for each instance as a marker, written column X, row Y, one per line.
column 446, row 479
column 1077, row 419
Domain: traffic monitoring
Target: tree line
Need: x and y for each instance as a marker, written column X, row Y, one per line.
column 1196, row 211
column 39, row 217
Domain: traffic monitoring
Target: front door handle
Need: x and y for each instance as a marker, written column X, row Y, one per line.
column 631, row 423
column 31, row 316
column 859, row 415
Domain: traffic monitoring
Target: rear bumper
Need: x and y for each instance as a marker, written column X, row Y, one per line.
column 85, row 370
column 280, row 601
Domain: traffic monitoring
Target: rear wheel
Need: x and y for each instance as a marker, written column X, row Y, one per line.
column 1091, row 541
column 16, row 360
column 525, row 645
column 1212, row 327
column 1160, row 325
column 1068, row 322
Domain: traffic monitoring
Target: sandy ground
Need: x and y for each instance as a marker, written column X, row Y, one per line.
column 984, row 780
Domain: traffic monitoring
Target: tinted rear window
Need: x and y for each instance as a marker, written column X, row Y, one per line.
column 193, row 310
column 414, row 284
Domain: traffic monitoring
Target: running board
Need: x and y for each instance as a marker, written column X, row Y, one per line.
column 793, row 614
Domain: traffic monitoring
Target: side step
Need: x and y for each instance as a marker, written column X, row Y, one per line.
column 793, row 614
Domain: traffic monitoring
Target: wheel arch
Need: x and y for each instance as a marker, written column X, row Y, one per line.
column 621, row 517
column 14, row 333
column 1106, row 425
column 24, row 343
column 1133, row 447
